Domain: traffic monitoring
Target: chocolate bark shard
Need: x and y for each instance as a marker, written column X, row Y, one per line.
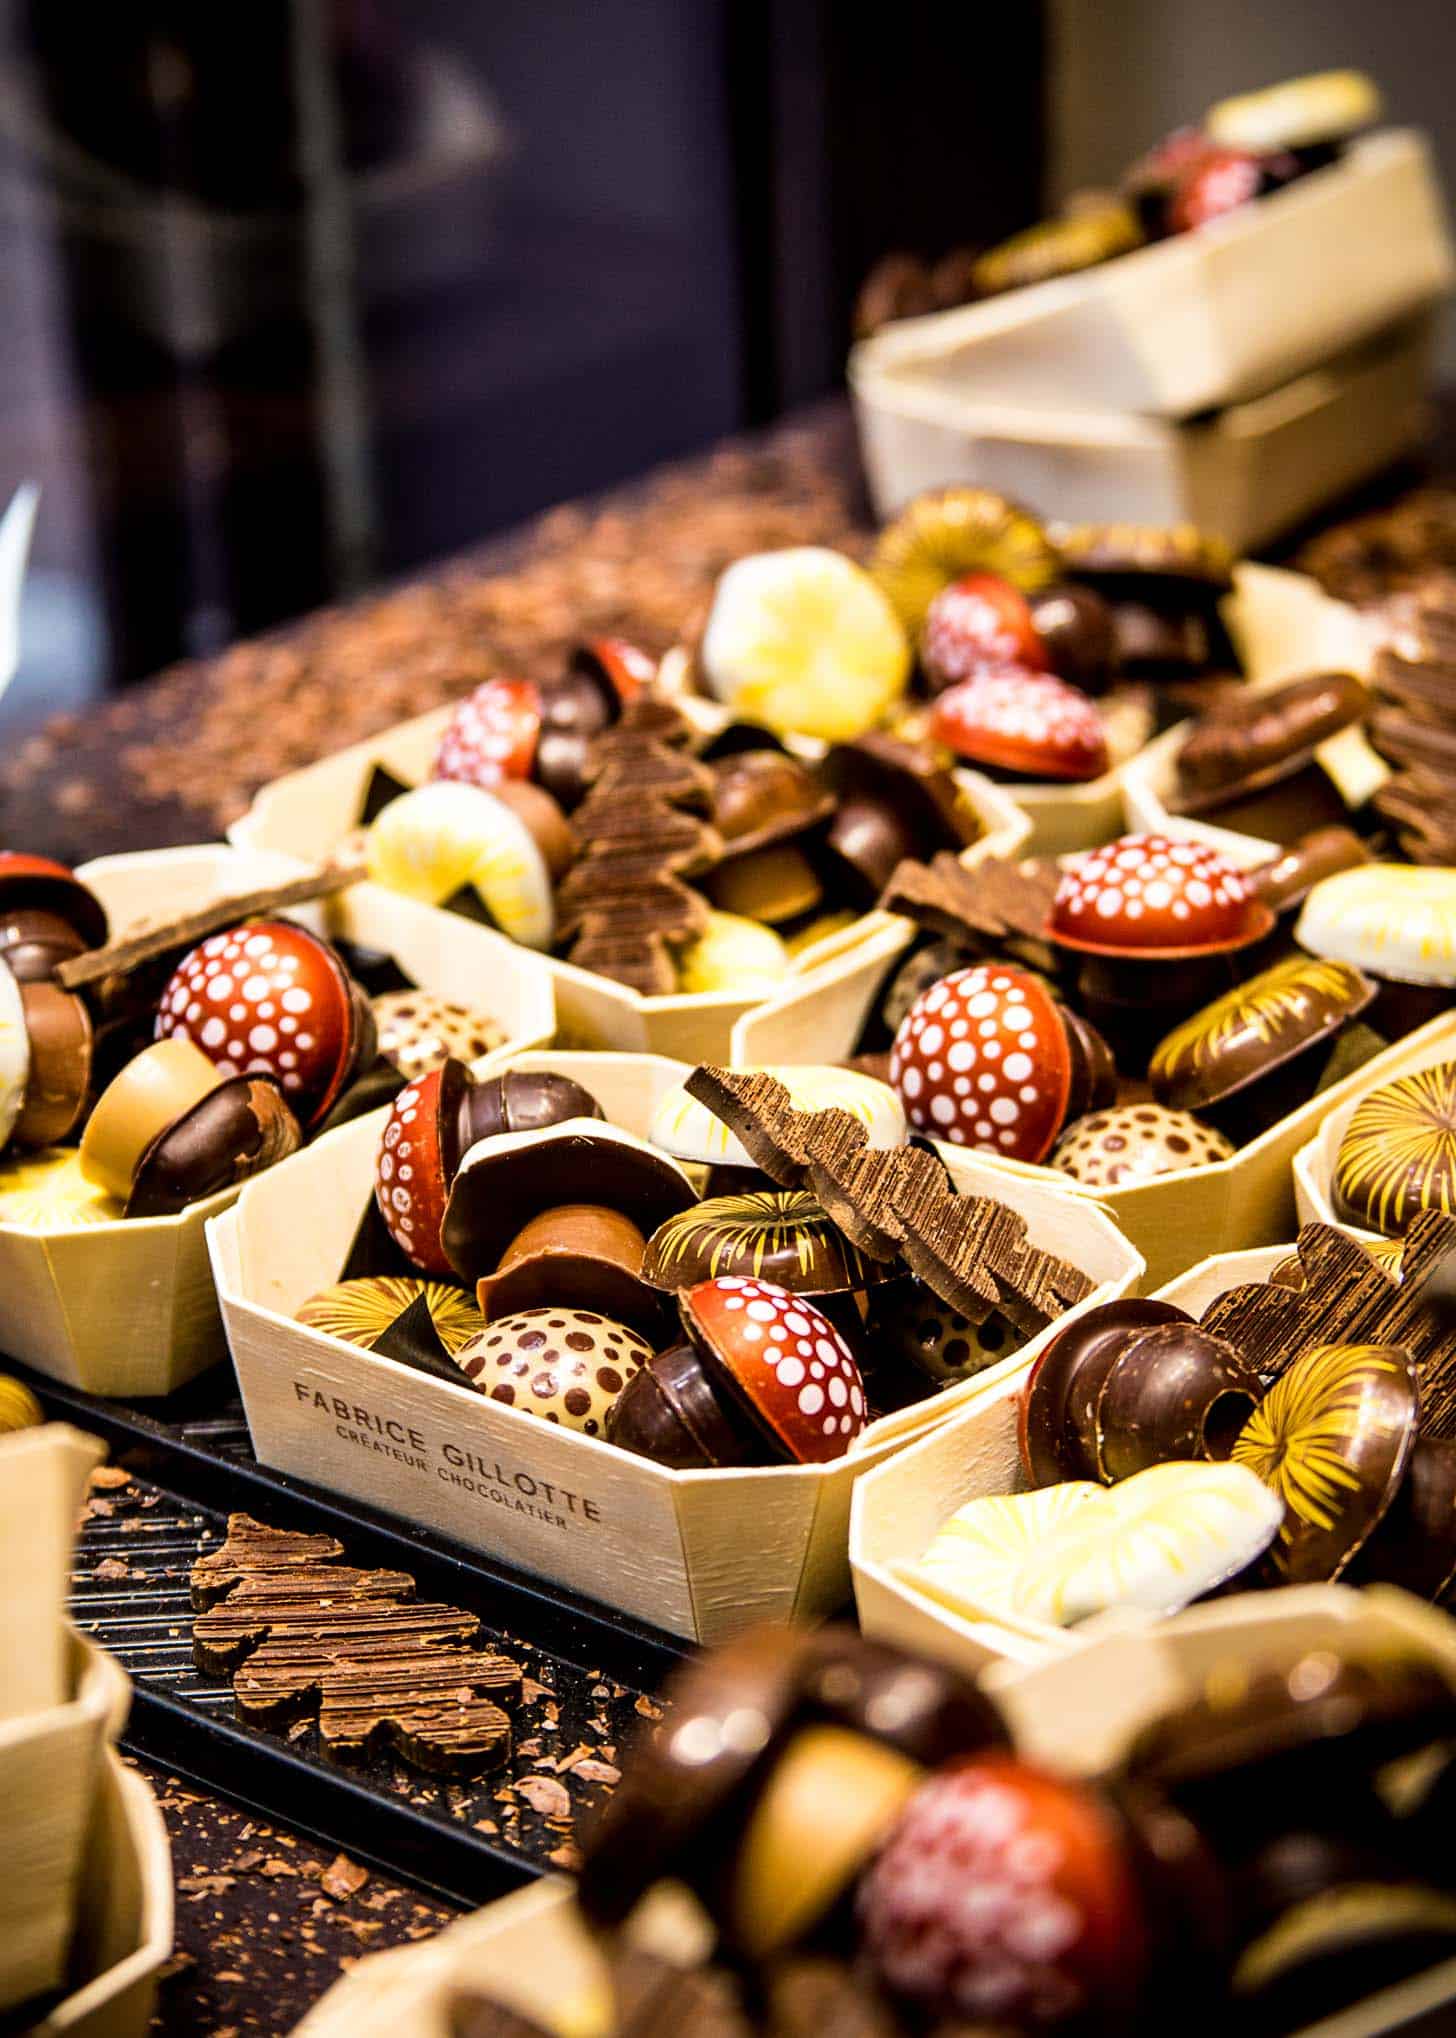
column 972, row 1251
column 296, row 1629
column 998, row 900
column 1348, row 1298
column 142, row 943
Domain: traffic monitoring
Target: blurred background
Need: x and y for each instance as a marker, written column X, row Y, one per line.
column 305, row 292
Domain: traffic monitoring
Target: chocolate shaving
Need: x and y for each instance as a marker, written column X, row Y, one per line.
column 999, row 900
column 296, row 1630
column 1348, row 1298
column 143, row 943
column 623, row 902
column 972, row 1251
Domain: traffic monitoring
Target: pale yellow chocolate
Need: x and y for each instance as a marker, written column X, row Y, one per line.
column 166, row 1080
column 823, row 1810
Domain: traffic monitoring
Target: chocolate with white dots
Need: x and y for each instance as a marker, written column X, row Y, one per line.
column 565, row 1365
column 784, row 1359
column 1022, row 721
column 1135, row 1142
column 266, row 999
column 1149, row 891
column 492, row 734
column 981, row 1060
column 410, row 1184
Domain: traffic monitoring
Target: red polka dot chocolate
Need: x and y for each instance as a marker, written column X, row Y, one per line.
column 1005, row 1894
column 782, row 1360
column 492, row 734
column 1150, row 892
column 269, row 998
column 984, row 1058
column 1025, row 722
column 978, row 621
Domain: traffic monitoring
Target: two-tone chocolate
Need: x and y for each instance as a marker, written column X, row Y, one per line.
column 242, row 1127
column 1259, row 1026
column 1243, row 750
column 1333, row 1437
column 47, row 915
column 782, row 1236
column 1136, row 1143
column 1397, row 1155
column 894, row 801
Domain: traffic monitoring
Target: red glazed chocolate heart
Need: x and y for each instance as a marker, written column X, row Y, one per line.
column 981, row 1059
column 1022, row 721
column 271, row 999
column 1147, row 891
column 492, row 734
column 978, row 621
column 783, row 1360
column 1005, row 1895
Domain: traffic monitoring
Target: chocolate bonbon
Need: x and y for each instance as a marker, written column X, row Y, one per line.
column 782, row 1236
column 893, row 799
column 978, row 621
column 1388, row 919
column 804, row 641
column 269, row 998
column 1026, row 723
column 419, row 1029
column 362, row 1310
column 448, row 837
column 1158, row 1539
column 949, row 532
column 1255, row 1029
column 1332, row 1438
column 1136, row 1143
column 1240, row 750
column 561, row 1364
column 783, row 1359
column 1397, row 1155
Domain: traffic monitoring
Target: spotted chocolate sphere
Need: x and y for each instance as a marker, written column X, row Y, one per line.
column 938, row 1341
column 1134, row 1142
column 566, row 1365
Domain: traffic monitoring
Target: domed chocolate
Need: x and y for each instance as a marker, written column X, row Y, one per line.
column 361, row 1311
column 1391, row 919
column 567, row 1366
column 1333, row 1437
column 985, row 1849
column 1255, row 1028
column 580, row 1256
column 1135, row 1143
column 919, row 1331
column 1059, row 1400
column 784, row 1360
column 1023, row 722
column 234, row 1133
column 1148, row 892
column 1398, row 1152
column 1245, row 748
column 269, row 998
column 780, row 1236
column 58, row 1085
column 978, row 621
column 419, row 1029
column 1075, row 626
column 46, row 915
column 982, row 1060
column 895, row 800
column 491, row 734
column 672, row 1411
column 1173, row 1391
column 505, row 1181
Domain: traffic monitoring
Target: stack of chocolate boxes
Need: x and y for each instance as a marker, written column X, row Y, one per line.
column 1238, row 333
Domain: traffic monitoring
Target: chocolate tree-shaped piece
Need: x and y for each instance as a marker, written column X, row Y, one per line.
column 297, row 1631
column 623, row 902
column 972, row 1251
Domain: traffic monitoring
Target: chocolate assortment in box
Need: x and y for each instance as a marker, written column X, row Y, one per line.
column 1156, row 1021
column 1235, row 1819
column 173, row 1023
column 671, row 870
column 637, row 1327
column 1274, row 1418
